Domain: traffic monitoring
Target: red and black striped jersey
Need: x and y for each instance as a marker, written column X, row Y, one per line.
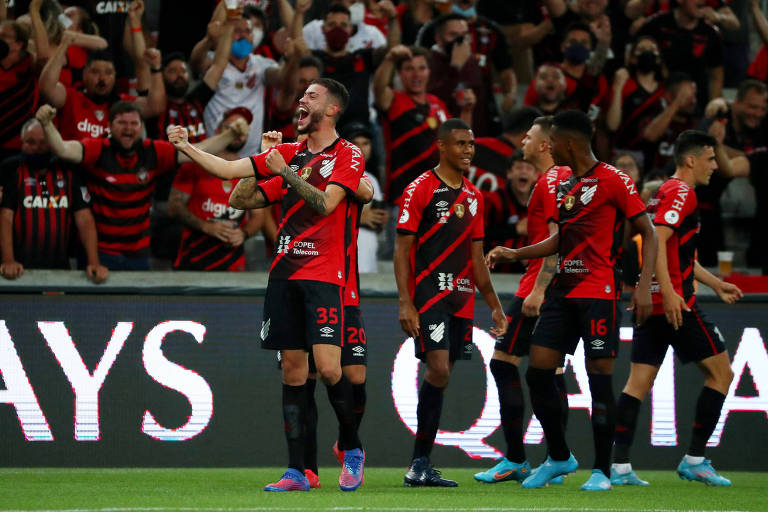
column 591, row 213
column 636, row 103
column 445, row 222
column 209, row 201
column 352, row 285
column 675, row 206
column 121, row 190
column 188, row 114
column 19, row 98
column 311, row 246
column 410, row 138
column 489, row 166
column 44, row 203
column 542, row 209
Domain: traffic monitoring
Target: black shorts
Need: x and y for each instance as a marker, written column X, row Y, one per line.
column 442, row 331
column 563, row 321
column 299, row 314
column 354, row 349
column 517, row 339
column 695, row 340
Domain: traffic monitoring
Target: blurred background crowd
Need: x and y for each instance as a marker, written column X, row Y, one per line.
column 122, row 71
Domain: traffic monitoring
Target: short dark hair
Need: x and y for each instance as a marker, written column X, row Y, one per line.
column 20, row 32
column 545, row 122
column 251, row 11
column 170, row 57
column 517, row 156
column 574, row 121
column 692, row 141
column 95, row 55
column 310, row 61
column 449, row 125
column 675, row 79
column 750, row 84
column 441, row 20
column 416, row 51
column 337, row 90
column 580, row 25
column 123, row 107
column 337, row 8
column 519, row 120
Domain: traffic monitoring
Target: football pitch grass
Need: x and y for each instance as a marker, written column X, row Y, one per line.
column 192, row 490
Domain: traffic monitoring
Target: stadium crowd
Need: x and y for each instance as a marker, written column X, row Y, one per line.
column 91, row 177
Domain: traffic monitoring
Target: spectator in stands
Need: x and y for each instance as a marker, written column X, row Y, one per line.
column 489, row 43
column 362, row 35
column 489, row 166
column 691, row 45
column 84, row 114
column 42, row 199
column 662, row 123
column 352, row 69
column 214, row 232
column 374, row 215
column 628, row 162
column 454, row 69
column 286, row 99
column 548, row 89
column 19, row 93
column 636, row 90
column 410, row 117
column 414, row 14
column 506, row 209
column 585, row 85
column 744, row 125
column 120, row 173
column 243, row 82
column 716, row 12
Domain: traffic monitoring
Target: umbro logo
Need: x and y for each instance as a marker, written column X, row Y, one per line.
column 358, row 351
column 326, row 331
column 265, row 329
column 442, row 204
column 597, row 344
column 438, row 332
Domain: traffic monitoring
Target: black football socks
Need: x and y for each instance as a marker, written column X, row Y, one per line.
column 545, row 402
column 708, row 408
column 294, row 410
column 428, row 416
column 511, row 407
column 603, row 419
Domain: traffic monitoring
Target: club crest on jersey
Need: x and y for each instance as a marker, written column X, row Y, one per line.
column 473, row 207
column 142, row 176
column 459, row 209
column 588, row 194
column 305, row 172
column 99, row 114
column 227, row 186
column 431, row 122
column 569, row 202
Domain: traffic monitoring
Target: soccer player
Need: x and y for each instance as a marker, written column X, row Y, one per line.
column 438, row 262
column 593, row 203
column 524, row 309
column 308, row 272
column 677, row 319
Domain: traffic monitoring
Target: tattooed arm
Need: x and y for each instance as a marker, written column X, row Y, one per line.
column 324, row 201
column 246, row 196
column 532, row 303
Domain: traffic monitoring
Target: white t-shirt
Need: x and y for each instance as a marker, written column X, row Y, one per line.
column 368, row 240
column 241, row 89
column 367, row 36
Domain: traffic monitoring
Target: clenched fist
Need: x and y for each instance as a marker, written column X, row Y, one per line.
column 45, row 115
column 178, row 136
column 240, row 128
column 275, row 162
column 270, row 139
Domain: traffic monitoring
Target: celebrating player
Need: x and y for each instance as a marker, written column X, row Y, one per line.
column 593, row 202
column 309, row 270
column 438, row 262
column 524, row 309
column 677, row 319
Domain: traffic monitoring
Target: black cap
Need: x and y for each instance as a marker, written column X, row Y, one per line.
column 356, row 129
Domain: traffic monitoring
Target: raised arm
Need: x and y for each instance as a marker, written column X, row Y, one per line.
column 212, row 164
column 220, row 58
column 485, row 286
column 69, row 150
column 615, row 110
column 50, row 87
column 383, row 94
column 761, row 23
column 39, row 33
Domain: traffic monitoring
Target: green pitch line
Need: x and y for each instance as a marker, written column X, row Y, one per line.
column 240, row 490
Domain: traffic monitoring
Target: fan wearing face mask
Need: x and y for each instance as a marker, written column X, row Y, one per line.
column 585, row 89
column 636, row 89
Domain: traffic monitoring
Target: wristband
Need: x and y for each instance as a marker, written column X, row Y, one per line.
column 155, row 70
column 136, row 29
